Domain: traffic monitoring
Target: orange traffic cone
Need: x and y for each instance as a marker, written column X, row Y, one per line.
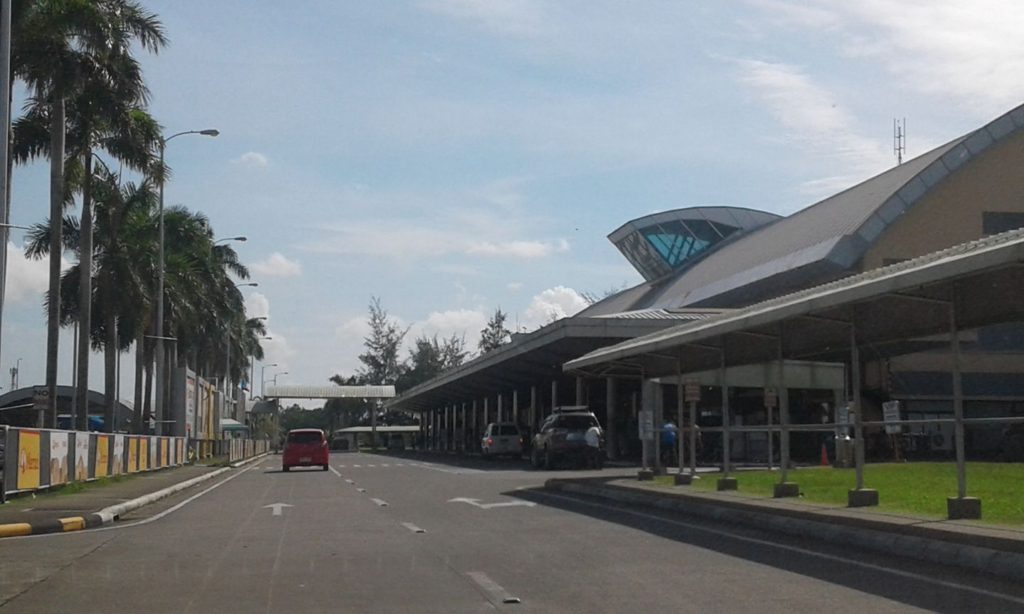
column 824, row 456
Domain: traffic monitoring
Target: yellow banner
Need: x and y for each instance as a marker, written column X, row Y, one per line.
column 102, row 455
column 133, row 454
column 165, row 445
column 28, row 459
column 143, row 453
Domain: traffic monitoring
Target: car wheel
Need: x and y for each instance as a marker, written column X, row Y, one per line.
column 534, row 459
column 285, row 468
column 548, row 461
column 325, row 467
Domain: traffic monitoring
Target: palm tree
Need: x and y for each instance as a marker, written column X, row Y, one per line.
column 81, row 49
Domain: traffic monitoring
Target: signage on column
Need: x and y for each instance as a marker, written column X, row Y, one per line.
column 40, row 398
column 645, row 424
column 692, row 391
column 771, row 397
column 891, row 414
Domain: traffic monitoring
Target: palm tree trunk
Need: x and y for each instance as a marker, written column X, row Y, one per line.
column 110, row 351
column 85, row 292
column 140, row 363
column 56, row 218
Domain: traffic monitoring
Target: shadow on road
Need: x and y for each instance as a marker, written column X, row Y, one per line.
column 440, row 458
column 833, row 565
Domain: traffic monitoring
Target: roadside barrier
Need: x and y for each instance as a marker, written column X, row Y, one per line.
column 37, row 459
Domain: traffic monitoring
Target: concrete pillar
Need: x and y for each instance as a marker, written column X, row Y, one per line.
column 533, row 408
column 499, row 413
column 515, row 406
column 579, row 391
column 961, row 506
column 475, row 433
column 612, row 429
column 465, row 430
column 725, row 482
column 860, row 496
column 486, row 416
column 554, row 394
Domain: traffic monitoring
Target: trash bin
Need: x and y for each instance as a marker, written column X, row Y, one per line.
column 844, row 452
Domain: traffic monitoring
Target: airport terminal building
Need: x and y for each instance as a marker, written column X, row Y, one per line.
column 699, row 262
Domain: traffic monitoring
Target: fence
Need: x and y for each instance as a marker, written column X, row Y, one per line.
column 35, row 459
column 240, row 449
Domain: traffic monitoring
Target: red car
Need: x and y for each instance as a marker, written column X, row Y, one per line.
column 305, row 448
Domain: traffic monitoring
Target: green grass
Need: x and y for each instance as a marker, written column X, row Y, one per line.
column 919, row 489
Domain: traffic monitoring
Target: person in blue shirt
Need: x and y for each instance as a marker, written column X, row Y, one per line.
column 668, row 443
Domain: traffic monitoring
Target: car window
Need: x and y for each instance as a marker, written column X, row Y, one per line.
column 307, row 437
column 576, row 423
column 508, row 429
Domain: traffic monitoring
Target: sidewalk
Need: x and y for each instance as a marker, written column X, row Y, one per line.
column 995, row 549
column 65, row 511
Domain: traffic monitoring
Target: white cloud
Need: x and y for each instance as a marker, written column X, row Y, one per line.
column 353, row 330
column 465, row 323
column 814, row 118
column 511, row 17
column 277, row 265
column 514, row 286
column 553, row 304
column 526, row 250
column 27, row 280
column 257, row 306
column 252, row 159
column 969, row 51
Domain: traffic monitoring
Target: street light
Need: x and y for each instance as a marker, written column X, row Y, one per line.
column 263, row 374
column 252, row 284
column 160, row 383
column 276, row 374
column 239, row 239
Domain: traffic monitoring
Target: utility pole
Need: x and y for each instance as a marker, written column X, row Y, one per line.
column 5, row 144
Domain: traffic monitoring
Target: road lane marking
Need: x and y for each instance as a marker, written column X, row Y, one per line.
column 341, row 466
column 349, row 481
column 488, row 506
column 357, row 466
column 277, row 507
column 492, row 588
column 371, row 465
column 412, row 527
column 361, row 489
column 335, row 471
column 797, row 549
column 383, row 465
column 380, row 502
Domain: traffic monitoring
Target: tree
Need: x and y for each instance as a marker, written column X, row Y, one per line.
column 494, row 335
column 430, row 357
column 380, row 359
column 76, row 56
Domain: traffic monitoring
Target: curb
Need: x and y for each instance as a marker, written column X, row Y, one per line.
column 238, row 464
column 102, row 517
column 1003, row 562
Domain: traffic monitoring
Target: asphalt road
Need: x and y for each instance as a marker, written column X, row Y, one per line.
column 387, row 533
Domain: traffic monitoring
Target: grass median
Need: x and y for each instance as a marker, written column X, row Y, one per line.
column 919, row 488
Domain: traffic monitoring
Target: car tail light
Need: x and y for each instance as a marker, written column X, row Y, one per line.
column 490, row 441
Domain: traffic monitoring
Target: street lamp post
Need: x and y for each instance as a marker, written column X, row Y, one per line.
column 160, row 376
column 252, row 364
column 263, row 375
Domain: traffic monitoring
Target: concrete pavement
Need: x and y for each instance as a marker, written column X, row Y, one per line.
column 389, row 533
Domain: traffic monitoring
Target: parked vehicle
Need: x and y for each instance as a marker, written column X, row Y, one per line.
column 305, row 448
column 501, row 438
column 574, row 435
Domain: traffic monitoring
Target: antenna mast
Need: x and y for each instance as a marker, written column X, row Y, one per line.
column 899, row 139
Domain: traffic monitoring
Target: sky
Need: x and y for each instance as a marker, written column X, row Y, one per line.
column 452, row 157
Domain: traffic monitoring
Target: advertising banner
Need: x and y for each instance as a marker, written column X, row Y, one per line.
column 133, row 454
column 102, row 456
column 58, row 458
column 118, row 466
column 154, row 453
column 28, row 459
column 180, row 458
column 81, row 456
column 190, row 403
column 165, row 445
column 143, row 453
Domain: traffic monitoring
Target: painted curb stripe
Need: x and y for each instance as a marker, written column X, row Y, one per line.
column 74, row 523
column 15, row 529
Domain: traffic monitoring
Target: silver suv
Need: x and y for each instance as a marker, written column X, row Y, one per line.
column 568, row 435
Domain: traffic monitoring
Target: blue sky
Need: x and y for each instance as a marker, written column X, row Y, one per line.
column 454, row 156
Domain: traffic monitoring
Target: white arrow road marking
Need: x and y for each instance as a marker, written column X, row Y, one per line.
column 277, row 507
column 487, row 506
column 492, row 588
column 380, row 502
column 412, row 527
